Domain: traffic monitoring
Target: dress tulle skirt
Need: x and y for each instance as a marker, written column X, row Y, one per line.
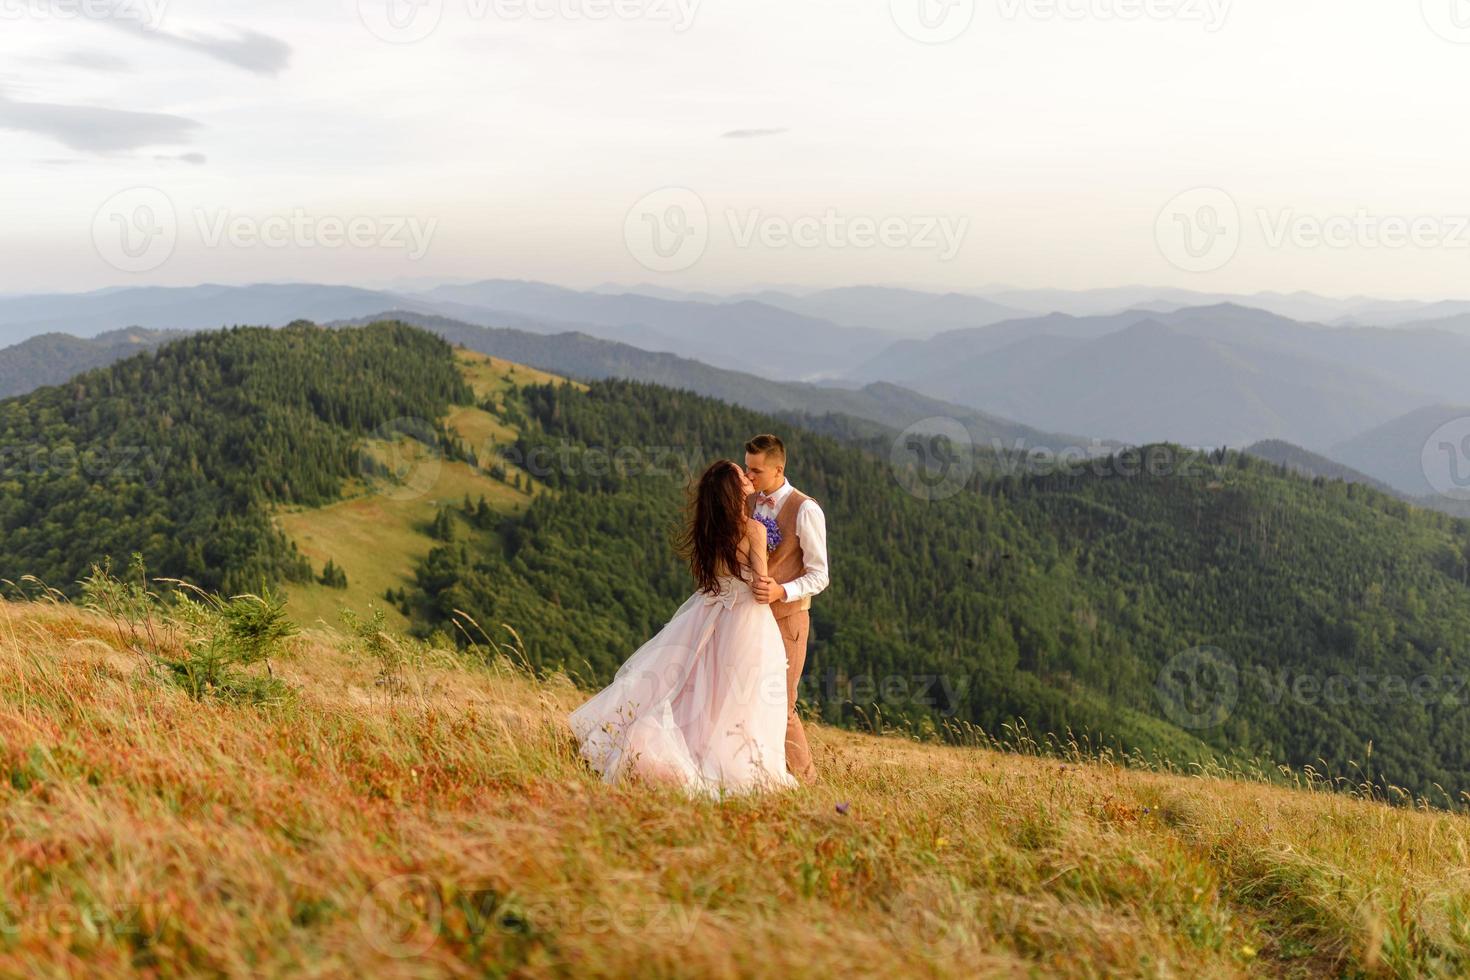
column 702, row 704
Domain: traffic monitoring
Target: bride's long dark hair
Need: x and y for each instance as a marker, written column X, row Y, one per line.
column 715, row 525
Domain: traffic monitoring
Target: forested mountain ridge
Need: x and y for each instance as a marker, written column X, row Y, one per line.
column 52, row 358
column 1059, row 598
column 179, row 454
column 580, row 355
column 1312, row 465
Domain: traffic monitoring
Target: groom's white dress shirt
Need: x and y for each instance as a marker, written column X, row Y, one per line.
column 811, row 531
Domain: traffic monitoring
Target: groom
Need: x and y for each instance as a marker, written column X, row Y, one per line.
column 798, row 571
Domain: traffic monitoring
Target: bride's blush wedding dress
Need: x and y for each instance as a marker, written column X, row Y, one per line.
column 702, row 704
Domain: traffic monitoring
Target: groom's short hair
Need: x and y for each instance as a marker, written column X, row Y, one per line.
column 771, row 446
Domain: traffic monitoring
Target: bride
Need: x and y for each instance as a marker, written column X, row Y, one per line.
column 702, row 704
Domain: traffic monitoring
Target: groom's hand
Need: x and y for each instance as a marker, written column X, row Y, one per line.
column 768, row 590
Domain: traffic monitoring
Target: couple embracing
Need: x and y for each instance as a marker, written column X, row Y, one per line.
column 710, row 702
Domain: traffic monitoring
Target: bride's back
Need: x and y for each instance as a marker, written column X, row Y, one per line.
column 743, row 571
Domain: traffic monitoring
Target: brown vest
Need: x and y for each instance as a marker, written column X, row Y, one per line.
column 787, row 562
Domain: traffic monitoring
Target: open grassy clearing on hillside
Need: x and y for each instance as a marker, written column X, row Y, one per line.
column 442, row 824
column 379, row 532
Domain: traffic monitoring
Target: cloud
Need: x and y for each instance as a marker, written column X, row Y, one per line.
column 250, row 50
column 94, row 61
column 90, row 129
column 747, row 134
column 197, row 159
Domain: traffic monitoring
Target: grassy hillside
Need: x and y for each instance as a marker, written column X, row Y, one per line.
column 182, row 454
column 247, row 456
column 421, row 812
column 382, row 529
column 1072, row 600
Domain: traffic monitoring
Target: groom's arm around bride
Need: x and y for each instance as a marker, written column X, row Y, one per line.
column 798, row 570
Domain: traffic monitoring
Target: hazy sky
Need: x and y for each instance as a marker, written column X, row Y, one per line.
column 717, row 144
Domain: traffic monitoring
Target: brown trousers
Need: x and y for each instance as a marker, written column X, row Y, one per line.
column 795, row 629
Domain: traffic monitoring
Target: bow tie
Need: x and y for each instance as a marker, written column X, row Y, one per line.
column 762, row 498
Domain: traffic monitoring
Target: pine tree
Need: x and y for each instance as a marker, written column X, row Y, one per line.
column 443, row 527
column 333, row 576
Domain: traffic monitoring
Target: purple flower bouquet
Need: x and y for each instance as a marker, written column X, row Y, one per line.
column 773, row 533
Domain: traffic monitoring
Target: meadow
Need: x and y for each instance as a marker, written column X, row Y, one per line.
column 379, row 807
column 378, row 533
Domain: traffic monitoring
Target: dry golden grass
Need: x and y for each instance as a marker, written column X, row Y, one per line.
column 492, row 375
column 447, row 828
